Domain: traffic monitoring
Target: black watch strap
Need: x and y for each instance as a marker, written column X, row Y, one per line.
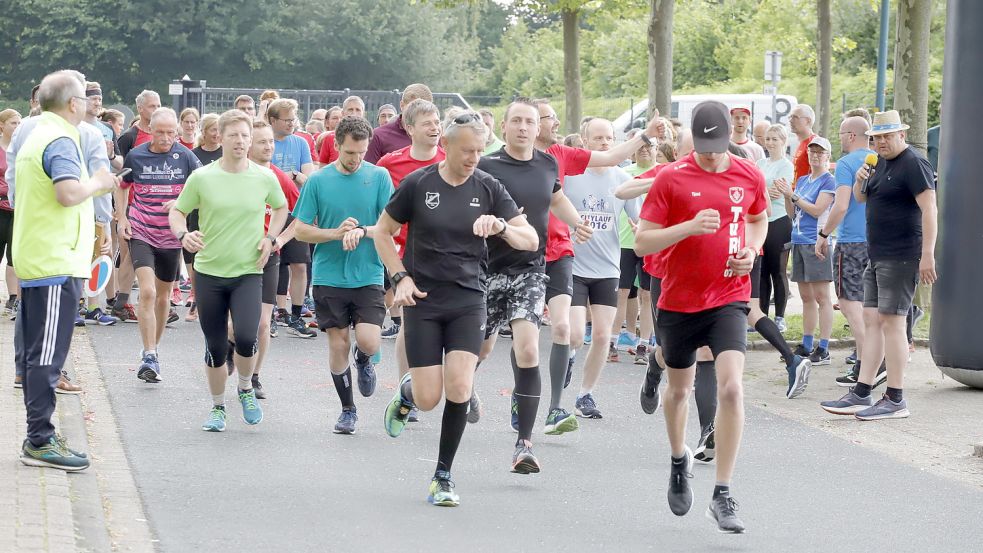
column 823, row 234
column 398, row 277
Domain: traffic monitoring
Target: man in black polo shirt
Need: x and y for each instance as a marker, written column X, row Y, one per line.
column 902, row 228
column 453, row 209
column 517, row 279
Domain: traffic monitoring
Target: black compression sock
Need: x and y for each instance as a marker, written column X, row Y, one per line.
column 706, row 392
column 861, row 389
column 528, row 387
column 559, row 361
column 451, row 430
column 895, row 394
column 295, row 310
column 343, row 385
column 769, row 330
column 719, row 490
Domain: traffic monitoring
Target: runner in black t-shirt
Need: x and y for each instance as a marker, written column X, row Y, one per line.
column 517, row 279
column 452, row 209
column 901, row 231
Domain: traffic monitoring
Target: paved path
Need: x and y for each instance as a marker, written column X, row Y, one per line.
column 290, row 484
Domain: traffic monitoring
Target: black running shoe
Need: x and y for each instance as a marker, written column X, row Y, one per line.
column 650, row 397
column 297, row 327
column 820, row 356
column 881, row 376
column 258, row 387
column 801, row 351
column 523, row 461
column 706, row 450
column 850, row 378
column 722, row 510
column 680, row 494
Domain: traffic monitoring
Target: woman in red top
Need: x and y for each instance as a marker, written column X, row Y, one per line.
column 9, row 119
column 189, row 124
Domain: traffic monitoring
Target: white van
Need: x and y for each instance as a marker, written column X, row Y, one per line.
column 682, row 109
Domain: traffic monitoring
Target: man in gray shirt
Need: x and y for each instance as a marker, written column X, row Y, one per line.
column 597, row 263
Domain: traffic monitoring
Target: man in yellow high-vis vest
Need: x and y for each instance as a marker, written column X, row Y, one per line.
column 54, row 232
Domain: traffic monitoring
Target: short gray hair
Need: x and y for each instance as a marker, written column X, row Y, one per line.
column 57, row 89
column 807, row 110
column 163, row 113
column 146, row 94
column 418, row 108
column 354, row 99
column 452, row 128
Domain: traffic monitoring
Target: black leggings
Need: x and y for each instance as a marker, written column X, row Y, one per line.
column 219, row 297
column 7, row 236
column 774, row 262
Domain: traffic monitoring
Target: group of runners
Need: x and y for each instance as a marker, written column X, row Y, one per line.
column 459, row 228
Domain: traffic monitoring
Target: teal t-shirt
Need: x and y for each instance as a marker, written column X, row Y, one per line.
column 326, row 200
column 775, row 169
column 626, row 236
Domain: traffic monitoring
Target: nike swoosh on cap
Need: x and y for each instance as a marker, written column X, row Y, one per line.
column 711, row 129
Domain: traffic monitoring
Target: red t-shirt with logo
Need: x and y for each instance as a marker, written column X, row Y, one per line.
column 400, row 163
column 289, row 190
column 801, row 160
column 572, row 162
column 328, row 152
column 695, row 267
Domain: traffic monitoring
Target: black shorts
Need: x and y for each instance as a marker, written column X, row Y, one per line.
column 271, row 277
column 560, row 281
column 450, row 318
column 295, row 251
column 7, row 236
column 631, row 266
column 347, row 307
column 166, row 263
column 756, row 277
column 595, row 291
column 849, row 263
column 889, row 285
column 722, row 328
column 189, row 257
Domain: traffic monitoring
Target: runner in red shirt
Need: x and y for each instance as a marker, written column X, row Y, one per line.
column 800, row 121
column 710, row 208
column 421, row 119
column 261, row 152
column 559, row 248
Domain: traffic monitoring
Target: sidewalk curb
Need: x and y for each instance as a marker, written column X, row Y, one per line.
column 125, row 517
column 763, row 345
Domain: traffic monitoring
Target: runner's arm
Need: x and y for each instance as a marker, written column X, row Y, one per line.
column 316, row 235
column 755, row 231
column 633, row 188
column 385, row 246
column 277, row 219
column 519, row 234
column 623, row 151
column 823, row 202
column 840, row 204
column 287, row 234
column 652, row 238
column 562, row 208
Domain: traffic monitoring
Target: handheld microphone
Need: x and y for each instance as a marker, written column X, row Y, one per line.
column 870, row 161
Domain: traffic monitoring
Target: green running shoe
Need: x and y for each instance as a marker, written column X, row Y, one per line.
column 442, row 492
column 53, row 455
column 398, row 410
column 559, row 421
column 216, row 420
column 252, row 413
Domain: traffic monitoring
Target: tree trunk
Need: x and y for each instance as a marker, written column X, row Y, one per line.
column 571, row 69
column 660, row 56
column 911, row 65
column 824, row 64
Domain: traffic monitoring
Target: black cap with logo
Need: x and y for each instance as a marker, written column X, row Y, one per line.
column 711, row 128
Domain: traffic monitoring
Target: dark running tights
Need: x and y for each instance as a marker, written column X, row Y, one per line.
column 774, row 262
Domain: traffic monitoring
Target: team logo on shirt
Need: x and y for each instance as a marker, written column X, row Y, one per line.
column 736, row 194
column 175, row 155
column 433, row 200
column 475, row 202
column 592, row 203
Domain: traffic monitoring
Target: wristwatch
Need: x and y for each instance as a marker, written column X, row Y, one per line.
column 365, row 231
column 181, row 235
column 824, row 235
column 505, row 226
column 398, row 277
column 271, row 238
column 795, row 198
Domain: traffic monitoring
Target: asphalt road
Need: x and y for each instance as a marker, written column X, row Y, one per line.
column 290, row 484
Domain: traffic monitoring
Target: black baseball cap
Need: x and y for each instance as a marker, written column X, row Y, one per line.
column 711, row 128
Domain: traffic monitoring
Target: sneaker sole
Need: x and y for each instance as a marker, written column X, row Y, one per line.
column 344, row 431
column 581, row 414
column 902, row 414
column 846, row 384
column 149, row 376
column 211, row 429
column 67, row 392
column 474, row 415
column 704, row 457
column 568, row 424
column 444, row 503
column 34, row 462
column 300, row 335
column 823, row 362
column 709, row 515
column 852, row 410
column 643, row 400
column 526, row 466
column 801, row 379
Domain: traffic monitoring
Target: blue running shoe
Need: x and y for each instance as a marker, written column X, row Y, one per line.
column 99, row 317
column 366, row 373
column 798, row 376
column 627, row 339
column 346, row 421
column 514, row 421
column 79, row 319
column 149, row 369
column 849, row 404
column 398, row 410
column 53, row 454
column 884, row 409
column 586, row 407
column 587, row 333
column 216, row 420
column 252, row 413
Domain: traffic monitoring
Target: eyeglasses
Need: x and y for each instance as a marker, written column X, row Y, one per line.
column 291, row 121
column 818, row 152
column 551, row 116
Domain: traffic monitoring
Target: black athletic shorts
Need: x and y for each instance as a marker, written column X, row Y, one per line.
column 756, row 277
column 450, row 318
column 347, row 307
column 189, row 257
column 631, row 266
column 560, row 281
column 295, row 251
column 271, row 277
column 722, row 328
column 595, row 291
column 166, row 263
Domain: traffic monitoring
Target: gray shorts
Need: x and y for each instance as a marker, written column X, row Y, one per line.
column 849, row 263
column 806, row 267
column 511, row 297
column 889, row 285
